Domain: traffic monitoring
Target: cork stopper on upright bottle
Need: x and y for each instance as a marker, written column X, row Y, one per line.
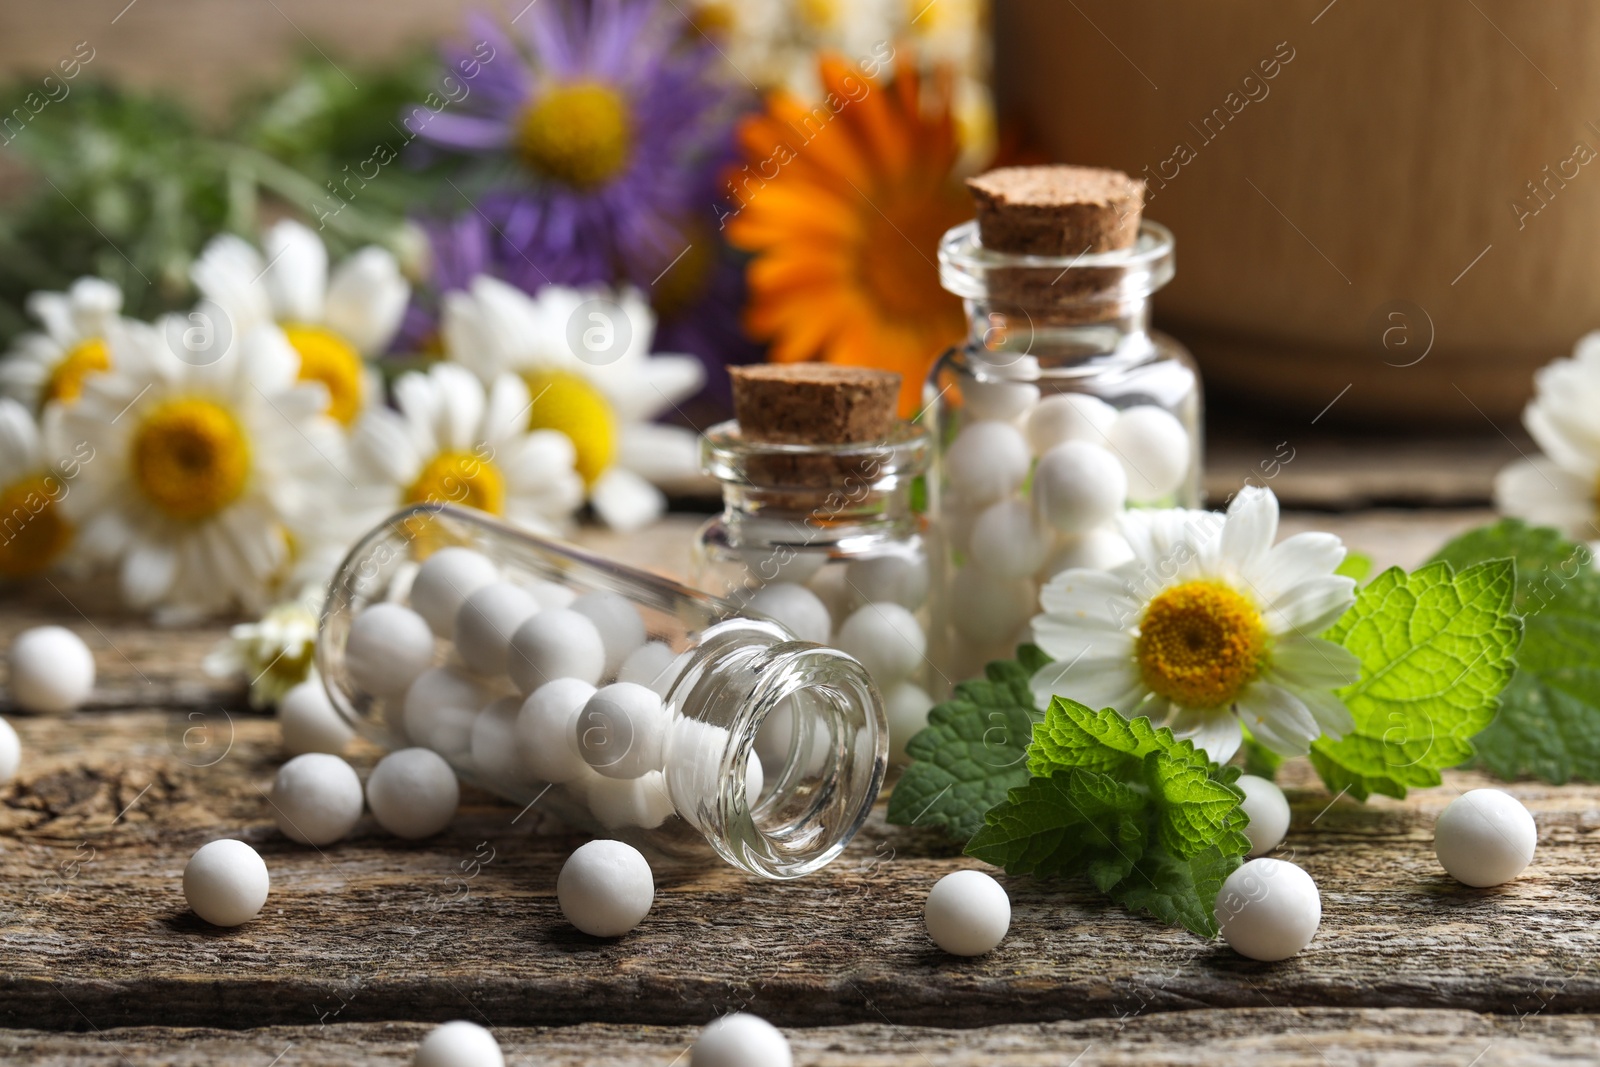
column 1057, row 210
column 814, row 403
column 792, row 405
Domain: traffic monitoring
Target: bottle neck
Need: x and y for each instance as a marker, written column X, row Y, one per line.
column 1005, row 336
column 822, row 727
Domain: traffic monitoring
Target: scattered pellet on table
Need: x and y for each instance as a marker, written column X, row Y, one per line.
column 1485, row 837
column 1268, row 909
column 226, row 882
column 413, row 793
column 446, row 579
column 316, row 799
column 605, row 888
column 1268, row 810
column 459, row 1044
column 10, row 752
column 741, row 1040
column 52, row 670
column 968, row 913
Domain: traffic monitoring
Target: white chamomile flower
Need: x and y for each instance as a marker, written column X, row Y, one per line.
column 585, row 356
column 35, row 476
column 1209, row 625
column 1560, row 488
column 284, row 295
column 53, row 364
column 273, row 654
column 453, row 443
column 199, row 470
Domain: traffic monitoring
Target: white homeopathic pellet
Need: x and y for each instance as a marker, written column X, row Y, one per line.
column 226, row 882
column 389, row 645
column 619, row 623
column 900, row 579
column 1268, row 809
column 905, row 708
column 446, row 579
column 413, row 793
column 987, row 461
column 797, row 608
column 741, row 1040
column 459, row 1044
column 486, row 622
column 644, row 802
column 547, row 737
column 605, row 888
column 1485, row 837
column 1154, row 449
column 886, row 639
column 494, row 742
column 968, row 913
column 309, row 723
column 316, row 799
column 1079, row 486
column 1008, row 540
column 1099, row 549
column 560, row 643
column 622, row 730
column 441, row 705
column 984, row 607
column 1069, row 417
column 10, row 752
column 52, row 670
column 648, row 665
column 1268, row 909
column 1002, row 395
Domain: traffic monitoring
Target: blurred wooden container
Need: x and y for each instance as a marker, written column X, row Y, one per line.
column 1410, row 207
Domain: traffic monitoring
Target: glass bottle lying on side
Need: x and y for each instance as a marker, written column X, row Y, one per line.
column 623, row 702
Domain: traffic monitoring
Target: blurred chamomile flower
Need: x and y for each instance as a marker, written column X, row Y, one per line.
column 1560, row 488
column 52, row 365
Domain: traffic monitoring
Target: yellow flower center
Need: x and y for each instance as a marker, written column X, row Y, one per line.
column 328, row 358
column 461, row 478
column 579, row 133
column 33, row 532
column 67, row 377
column 568, row 402
column 190, row 458
column 818, row 14
column 1200, row 643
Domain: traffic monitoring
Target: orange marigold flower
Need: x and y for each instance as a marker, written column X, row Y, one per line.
column 842, row 204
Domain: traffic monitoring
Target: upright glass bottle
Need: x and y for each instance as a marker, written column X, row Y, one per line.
column 830, row 540
column 1061, row 407
column 718, row 676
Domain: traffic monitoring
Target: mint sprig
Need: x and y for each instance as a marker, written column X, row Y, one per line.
column 1549, row 721
column 1436, row 650
column 1144, row 817
column 973, row 751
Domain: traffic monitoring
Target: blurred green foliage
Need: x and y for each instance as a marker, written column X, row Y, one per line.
column 129, row 185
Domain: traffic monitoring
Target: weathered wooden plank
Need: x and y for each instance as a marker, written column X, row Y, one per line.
column 1256, row 1036
column 140, row 666
column 93, row 924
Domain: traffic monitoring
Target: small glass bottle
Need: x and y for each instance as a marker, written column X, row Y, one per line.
column 830, row 541
column 668, row 761
column 1060, row 358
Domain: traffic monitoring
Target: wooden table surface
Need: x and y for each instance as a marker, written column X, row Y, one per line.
column 362, row 945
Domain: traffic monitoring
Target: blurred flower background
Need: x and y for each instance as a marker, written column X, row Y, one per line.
column 506, row 269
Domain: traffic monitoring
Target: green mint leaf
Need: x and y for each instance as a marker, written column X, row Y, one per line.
column 973, row 751
column 1436, row 650
column 1178, row 890
column 1075, row 822
column 1356, row 565
column 1549, row 721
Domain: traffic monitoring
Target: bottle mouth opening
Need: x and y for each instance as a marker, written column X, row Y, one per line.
column 814, row 726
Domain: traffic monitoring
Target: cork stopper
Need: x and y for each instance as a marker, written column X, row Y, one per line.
column 1057, row 210
column 814, row 403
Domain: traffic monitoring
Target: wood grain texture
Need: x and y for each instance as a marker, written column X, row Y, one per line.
column 94, row 927
column 1322, row 1037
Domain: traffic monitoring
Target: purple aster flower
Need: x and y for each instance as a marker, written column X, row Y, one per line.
column 608, row 113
